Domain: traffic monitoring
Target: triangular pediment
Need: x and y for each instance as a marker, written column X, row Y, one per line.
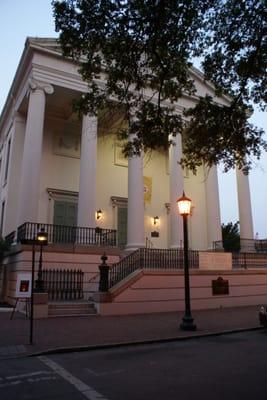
column 203, row 87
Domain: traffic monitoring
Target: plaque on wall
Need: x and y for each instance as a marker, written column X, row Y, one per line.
column 220, row 287
column 154, row 234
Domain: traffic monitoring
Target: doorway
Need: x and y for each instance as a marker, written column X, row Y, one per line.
column 122, row 226
column 65, row 218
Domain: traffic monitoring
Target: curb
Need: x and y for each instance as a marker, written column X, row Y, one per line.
column 61, row 350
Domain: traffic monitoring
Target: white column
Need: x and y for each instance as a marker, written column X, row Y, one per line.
column 135, row 223
column 244, row 205
column 32, row 153
column 87, row 185
column 214, row 229
column 176, row 191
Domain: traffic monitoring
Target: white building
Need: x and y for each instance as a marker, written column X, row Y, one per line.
column 59, row 170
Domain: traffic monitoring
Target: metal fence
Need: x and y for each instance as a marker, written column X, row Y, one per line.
column 152, row 259
column 249, row 260
column 245, row 245
column 9, row 239
column 63, row 284
column 61, row 234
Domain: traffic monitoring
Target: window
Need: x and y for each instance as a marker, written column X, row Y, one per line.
column 7, row 159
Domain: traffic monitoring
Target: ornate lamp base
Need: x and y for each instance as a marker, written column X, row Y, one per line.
column 188, row 324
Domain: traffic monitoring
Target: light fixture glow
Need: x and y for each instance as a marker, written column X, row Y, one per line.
column 42, row 236
column 156, row 220
column 184, row 205
column 98, row 214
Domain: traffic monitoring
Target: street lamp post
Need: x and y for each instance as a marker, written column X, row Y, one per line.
column 32, row 300
column 42, row 240
column 184, row 207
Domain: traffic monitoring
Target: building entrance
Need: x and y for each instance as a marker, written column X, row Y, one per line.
column 122, row 226
column 65, row 214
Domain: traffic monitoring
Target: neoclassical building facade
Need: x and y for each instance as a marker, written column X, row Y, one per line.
column 59, row 169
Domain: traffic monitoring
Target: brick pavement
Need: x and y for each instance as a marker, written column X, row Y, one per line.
column 72, row 332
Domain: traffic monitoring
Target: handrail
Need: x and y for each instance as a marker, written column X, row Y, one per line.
column 63, row 234
column 248, row 245
column 145, row 258
column 124, row 267
column 9, row 239
column 249, row 260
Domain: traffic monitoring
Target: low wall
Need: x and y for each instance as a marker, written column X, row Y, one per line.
column 209, row 260
column 160, row 291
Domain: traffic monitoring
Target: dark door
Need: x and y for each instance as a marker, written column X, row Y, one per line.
column 65, row 219
column 122, row 226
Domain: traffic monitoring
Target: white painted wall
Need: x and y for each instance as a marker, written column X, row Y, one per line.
column 60, row 172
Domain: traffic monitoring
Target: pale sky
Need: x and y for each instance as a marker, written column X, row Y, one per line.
column 22, row 18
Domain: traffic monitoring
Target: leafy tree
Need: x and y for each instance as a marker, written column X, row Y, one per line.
column 144, row 48
column 231, row 236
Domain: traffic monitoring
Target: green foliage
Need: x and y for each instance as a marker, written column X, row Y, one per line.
column 144, row 49
column 236, row 59
column 3, row 248
column 231, row 236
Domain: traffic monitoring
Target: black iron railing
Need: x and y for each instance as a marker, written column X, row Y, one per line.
column 9, row 239
column 152, row 259
column 61, row 234
column 63, row 284
column 246, row 245
column 249, row 260
column 124, row 267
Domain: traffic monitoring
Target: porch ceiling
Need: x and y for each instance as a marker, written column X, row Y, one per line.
column 60, row 105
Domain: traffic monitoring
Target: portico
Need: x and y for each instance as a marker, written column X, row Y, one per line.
column 58, row 156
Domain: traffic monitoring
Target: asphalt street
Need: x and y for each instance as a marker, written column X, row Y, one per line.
column 231, row 367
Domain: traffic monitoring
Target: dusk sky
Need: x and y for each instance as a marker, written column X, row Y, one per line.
column 22, row 18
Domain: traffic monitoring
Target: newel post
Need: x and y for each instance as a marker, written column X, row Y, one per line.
column 104, row 271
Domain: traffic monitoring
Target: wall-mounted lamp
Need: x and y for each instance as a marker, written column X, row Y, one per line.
column 98, row 214
column 156, row 220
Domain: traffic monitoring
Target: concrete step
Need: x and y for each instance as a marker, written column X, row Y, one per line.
column 70, row 315
column 71, row 309
column 70, row 304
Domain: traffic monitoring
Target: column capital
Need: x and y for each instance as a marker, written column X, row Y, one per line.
column 37, row 85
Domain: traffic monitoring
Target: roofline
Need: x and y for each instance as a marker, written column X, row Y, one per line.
column 200, row 75
column 32, row 43
column 29, row 46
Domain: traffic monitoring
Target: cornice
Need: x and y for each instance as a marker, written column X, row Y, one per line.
column 60, row 78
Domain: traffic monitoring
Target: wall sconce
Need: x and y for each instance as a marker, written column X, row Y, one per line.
column 98, row 214
column 156, row 220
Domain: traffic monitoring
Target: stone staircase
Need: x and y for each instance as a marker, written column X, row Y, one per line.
column 71, row 309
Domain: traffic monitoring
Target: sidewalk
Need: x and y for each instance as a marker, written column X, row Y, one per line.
column 71, row 332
